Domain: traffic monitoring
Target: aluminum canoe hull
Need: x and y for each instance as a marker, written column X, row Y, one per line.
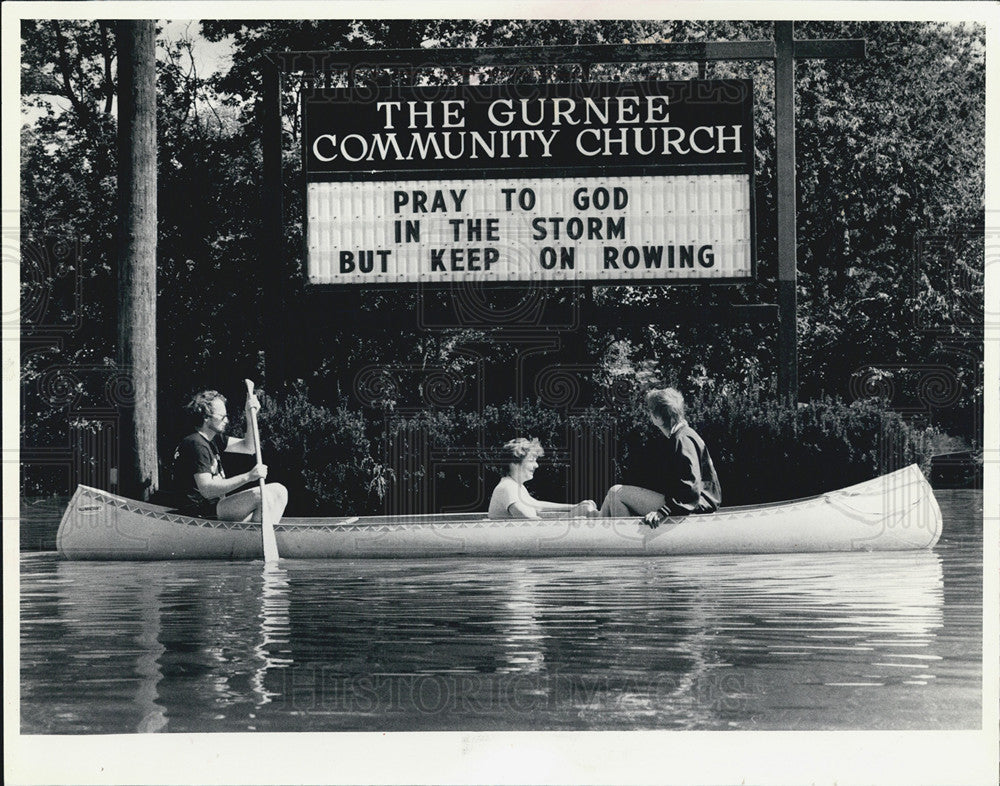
column 894, row 512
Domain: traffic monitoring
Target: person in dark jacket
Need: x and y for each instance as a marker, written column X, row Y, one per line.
column 690, row 483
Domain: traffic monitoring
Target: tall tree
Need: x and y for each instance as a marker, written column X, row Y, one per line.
column 137, row 255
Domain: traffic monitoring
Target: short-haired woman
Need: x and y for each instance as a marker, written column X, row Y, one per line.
column 690, row 483
column 511, row 499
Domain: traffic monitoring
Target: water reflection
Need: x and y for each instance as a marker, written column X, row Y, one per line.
column 884, row 610
column 109, row 646
column 521, row 637
column 272, row 650
column 153, row 716
column 783, row 641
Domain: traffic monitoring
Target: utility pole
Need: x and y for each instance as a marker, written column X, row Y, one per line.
column 137, row 252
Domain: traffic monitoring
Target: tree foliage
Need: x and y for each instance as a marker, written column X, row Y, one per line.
column 890, row 168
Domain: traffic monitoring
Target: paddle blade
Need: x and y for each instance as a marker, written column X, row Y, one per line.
column 270, row 540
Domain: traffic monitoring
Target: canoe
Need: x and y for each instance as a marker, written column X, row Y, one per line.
column 894, row 512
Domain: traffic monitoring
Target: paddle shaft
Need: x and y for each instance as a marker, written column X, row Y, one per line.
column 270, row 542
column 260, row 455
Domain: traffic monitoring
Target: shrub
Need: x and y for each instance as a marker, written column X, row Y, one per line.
column 354, row 461
column 765, row 450
column 323, row 456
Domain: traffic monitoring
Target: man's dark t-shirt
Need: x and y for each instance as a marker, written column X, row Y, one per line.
column 195, row 455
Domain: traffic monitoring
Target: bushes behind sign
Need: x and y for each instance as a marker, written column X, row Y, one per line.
column 358, row 461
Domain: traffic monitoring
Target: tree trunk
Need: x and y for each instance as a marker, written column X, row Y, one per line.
column 137, row 253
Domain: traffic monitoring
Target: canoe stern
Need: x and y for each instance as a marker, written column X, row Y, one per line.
column 98, row 525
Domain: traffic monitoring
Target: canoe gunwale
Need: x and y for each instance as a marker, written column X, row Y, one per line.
column 898, row 511
column 422, row 519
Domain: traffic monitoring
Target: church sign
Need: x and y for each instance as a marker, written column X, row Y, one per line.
column 597, row 182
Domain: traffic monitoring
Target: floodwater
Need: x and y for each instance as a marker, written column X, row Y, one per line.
column 815, row 641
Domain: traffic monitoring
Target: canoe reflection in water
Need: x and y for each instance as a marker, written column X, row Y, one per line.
column 664, row 642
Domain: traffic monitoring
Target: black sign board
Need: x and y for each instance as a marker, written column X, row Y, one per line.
column 653, row 127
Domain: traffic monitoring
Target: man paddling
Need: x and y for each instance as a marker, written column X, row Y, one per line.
column 198, row 473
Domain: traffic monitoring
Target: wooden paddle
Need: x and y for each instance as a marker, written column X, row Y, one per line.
column 266, row 525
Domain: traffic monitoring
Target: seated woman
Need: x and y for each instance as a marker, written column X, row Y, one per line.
column 690, row 484
column 511, row 499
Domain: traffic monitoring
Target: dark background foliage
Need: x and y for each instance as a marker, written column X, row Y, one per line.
column 890, row 230
column 407, row 461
